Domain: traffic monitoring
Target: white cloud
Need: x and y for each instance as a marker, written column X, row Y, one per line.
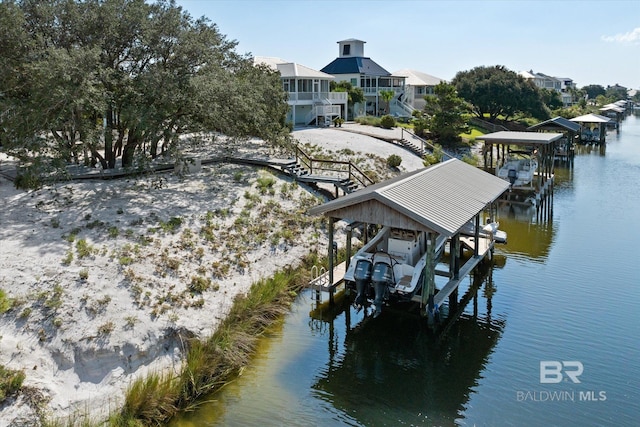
column 632, row 37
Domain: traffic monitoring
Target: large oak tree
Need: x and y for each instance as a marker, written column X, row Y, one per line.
column 496, row 91
column 98, row 80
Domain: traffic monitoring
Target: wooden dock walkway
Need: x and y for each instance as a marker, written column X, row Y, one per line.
column 322, row 282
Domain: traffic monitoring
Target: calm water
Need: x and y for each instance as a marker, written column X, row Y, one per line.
column 565, row 288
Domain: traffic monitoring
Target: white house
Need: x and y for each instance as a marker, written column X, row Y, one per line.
column 310, row 100
column 417, row 86
column 352, row 66
column 562, row 85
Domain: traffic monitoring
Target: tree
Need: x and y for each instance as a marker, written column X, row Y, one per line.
column 98, row 80
column 355, row 94
column 593, row 91
column 616, row 92
column 446, row 114
column 387, row 96
column 551, row 98
column 496, row 91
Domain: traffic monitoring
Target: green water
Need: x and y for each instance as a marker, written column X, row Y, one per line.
column 565, row 288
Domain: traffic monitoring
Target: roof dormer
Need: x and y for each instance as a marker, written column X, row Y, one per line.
column 351, row 48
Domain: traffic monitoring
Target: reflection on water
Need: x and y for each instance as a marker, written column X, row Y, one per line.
column 389, row 370
column 393, row 371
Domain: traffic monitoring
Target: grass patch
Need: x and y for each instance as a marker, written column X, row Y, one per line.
column 5, row 302
column 214, row 362
column 10, row 382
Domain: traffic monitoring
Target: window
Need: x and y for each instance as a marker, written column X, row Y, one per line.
column 289, row 85
column 346, row 49
column 305, row 85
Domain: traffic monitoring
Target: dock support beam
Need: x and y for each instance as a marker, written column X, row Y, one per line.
column 331, row 266
column 429, row 284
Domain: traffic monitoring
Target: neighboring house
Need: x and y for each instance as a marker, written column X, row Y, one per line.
column 352, row 66
column 561, row 85
column 417, row 86
column 310, row 100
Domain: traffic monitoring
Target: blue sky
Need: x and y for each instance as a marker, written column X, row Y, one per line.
column 592, row 42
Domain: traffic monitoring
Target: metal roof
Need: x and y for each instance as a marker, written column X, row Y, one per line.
column 290, row 69
column 440, row 198
column 612, row 107
column 418, row 78
column 513, row 137
column 355, row 65
column 557, row 122
column 591, row 118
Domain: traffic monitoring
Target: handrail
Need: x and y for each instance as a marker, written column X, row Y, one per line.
column 425, row 142
column 353, row 172
column 485, row 124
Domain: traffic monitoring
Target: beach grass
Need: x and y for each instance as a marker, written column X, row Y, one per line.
column 211, row 363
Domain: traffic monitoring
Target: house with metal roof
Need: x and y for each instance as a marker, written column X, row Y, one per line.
column 309, row 97
column 352, row 66
column 417, row 86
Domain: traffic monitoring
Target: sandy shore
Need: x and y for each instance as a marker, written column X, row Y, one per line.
column 108, row 276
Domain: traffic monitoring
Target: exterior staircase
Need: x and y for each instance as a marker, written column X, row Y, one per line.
column 344, row 176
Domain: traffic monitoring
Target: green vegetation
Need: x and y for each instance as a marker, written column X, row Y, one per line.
column 393, row 161
column 172, row 225
column 75, row 76
column 5, row 302
column 387, row 121
column 445, row 115
column 212, row 363
column 83, row 248
column 10, row 382
column 496, row 91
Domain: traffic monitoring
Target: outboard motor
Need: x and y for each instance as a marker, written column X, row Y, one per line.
column 512, row 175
column 362, row 275
column 382, row 278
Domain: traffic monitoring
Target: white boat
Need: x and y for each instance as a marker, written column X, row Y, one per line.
column 390, row 266
column 489, row 230
column 519, row 171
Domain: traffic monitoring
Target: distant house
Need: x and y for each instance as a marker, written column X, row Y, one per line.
column 310, row 100
column 417, row 86
column 352, row 66
column 562, row 85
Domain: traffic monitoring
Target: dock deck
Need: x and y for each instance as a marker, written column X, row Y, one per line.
column 322, row 282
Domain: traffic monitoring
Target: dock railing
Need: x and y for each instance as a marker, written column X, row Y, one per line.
column 332, row 167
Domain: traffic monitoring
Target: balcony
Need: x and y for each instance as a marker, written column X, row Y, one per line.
column 314, row 97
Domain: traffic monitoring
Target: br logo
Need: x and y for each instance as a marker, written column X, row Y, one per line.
column 554, row 371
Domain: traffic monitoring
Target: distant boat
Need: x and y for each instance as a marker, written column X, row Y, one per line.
column 519, row 171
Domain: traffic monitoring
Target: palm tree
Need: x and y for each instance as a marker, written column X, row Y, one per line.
column 387, row 96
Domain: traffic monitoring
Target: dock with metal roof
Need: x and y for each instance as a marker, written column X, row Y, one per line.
column 542, row 145
column 439, row 200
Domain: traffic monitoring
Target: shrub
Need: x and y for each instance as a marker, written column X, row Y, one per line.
column 387, row 122
column 83, row 248
column 10, row 382
column 393, row 161
column 199, row 284
column 172, row 225
column 5, row 302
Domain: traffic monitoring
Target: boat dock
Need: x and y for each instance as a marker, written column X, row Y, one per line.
column 418, row 202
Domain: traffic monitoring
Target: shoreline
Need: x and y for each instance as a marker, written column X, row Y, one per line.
column 112, row 314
